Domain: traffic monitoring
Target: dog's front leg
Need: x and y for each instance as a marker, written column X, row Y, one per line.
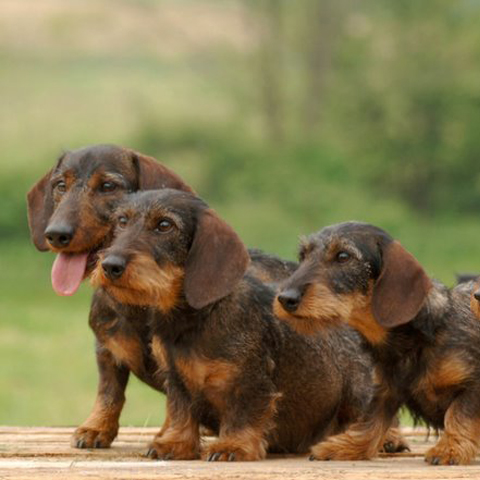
column 247, row 419
column 363, row 440
column 179, row 438
column 460, row 441
column 101, row 426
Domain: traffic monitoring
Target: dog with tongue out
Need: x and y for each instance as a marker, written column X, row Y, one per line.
column 69, row 213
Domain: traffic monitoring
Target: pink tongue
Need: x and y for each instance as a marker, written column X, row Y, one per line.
column 67, row 272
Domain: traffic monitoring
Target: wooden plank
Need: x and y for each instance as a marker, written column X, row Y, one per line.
column 45, row 453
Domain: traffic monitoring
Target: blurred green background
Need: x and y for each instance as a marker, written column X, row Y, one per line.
column 286, row 116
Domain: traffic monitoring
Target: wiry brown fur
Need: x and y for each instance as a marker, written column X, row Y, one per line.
column 320, row 304
column 232, row 366
column 210, row 376
column 101, row 426
column 181, row 439
column 424, row 339
column 126, row 350
column 444, row 373
column 268, row 268
column 362, row 441
column 461, row 444
column 144, row 284
column 249, row 444
column 158, row 351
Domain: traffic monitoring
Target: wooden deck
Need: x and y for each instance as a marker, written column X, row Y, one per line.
column 44, row 453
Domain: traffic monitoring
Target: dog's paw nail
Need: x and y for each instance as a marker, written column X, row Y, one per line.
column 152, row 453
column 231, row 457
column 97, row 444
column 81, row 443
column 435, row 461
column 312, row 458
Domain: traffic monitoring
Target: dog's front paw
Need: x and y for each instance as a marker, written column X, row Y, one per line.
column 338, row 448
column 168, row 450
column 223, row 451
column 86, row 437
column 394, row 442
column 449, row 453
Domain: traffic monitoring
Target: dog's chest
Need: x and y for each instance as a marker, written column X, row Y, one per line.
column 211, row 378
column 130, row 346
column 127, row 350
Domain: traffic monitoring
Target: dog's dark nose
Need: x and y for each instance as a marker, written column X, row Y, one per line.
column 290, row 299
column 59, row 235
column 477, row 295
column 114, row 266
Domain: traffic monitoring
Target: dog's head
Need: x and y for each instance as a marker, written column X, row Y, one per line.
column 69, row 209
column 170, row 246
column 357, row 273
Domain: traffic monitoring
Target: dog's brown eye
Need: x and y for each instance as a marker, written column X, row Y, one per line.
column 60, row 187
column 122, row 221
column 342, row 257
column 164, row 225
column 108, row 187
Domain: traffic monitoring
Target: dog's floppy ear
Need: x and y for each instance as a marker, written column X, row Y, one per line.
column 401, row 288
column 153, row 175
column 216, row 262
column 40, row 209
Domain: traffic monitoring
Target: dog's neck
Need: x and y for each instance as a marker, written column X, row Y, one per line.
column 181, row 323
column 186, row 325
column 436, row 304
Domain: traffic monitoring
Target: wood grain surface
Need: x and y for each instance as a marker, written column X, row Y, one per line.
column 45, row 453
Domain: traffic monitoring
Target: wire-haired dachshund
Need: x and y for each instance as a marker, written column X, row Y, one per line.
column 69, row 212
column 424, row 339
column 232, row 366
